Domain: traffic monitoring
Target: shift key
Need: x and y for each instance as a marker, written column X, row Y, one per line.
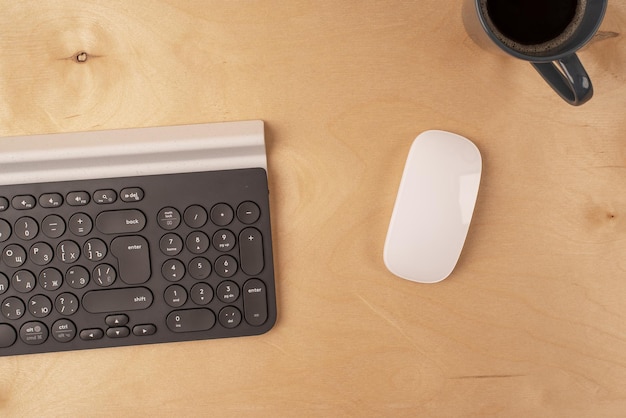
column 117, row 300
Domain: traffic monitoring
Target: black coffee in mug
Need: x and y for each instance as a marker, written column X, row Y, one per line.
column 534, row 27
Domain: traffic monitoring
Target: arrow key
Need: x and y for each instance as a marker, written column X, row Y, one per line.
column 91, row 334
column 118, row 332
column 143, row 330
column 116, row 320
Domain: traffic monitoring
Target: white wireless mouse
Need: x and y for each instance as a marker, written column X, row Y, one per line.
column 434, row 207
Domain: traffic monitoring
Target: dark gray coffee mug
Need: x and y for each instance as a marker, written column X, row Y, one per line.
column 559, row 66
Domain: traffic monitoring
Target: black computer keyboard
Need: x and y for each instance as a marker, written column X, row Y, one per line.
column 135, row 260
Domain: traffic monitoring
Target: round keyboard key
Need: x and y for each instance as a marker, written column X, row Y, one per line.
column 229, row 317
column 168, row 218
column 80, row 224
column 221, row 214
column 201, row 293
column 4, row 283
column 39, row 306
column 4, row 204
column 199, row 268
column 23, row 281
column 7, row 335
column 77, row 277
column 50, row 279
column 41, row 253
column 227, row 291
column 95, row 249
column 175, row 296
column 197, row 242
column 34, row 333
column 66, row 304
column 68, row 251
column 171, row 244
column 63, row 330
column 104, row 275
column 225, row 266
column 195, row 216
column 13, row 308
column 13, row 255
column 173, row 270
column 53, row 226
column 26, row 228
column 5, row 230
column 248, row 212
column 223, row 240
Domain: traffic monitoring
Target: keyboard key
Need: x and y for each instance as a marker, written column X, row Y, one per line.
column 171, row 244
column 53, row 226
column 77, row 277
column 117, row 320
column 26, row 228
column 229, row 317
column 131, row 194
column 39, row 306
column 255, row 302
column 80, row 224
column 7, row 335
column 133, row 257
column 201, row 293
column 199, row 268
column 195, row 216
column 104, row 197
column 77, row 198
column 197, row 242
column 68, row 251
column 248, row 212
column 50, row 200
column 41, row 253
column 13, row 308
column 4, row 283
column 104, row 275
column 191, row 320
column 63, row 330
column 34, row 333
column 173, row 270
column 66, row 304
column 91, row 334
column 4, row 204
column 5, row 230
column 23, row 202
column 226, row 266
column 117, row 300
column 120, row 221
column 13, row 255
column 175, row 296
column 251, row 251
column 118, row 332
column 144, row 330
column 95, row 249
column 223, row 240
column 168, row 218
column 23, row 281
column 221, row 214
column 227, row 291
column 50, row 279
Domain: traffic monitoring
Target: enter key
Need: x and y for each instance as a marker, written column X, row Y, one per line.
column 133, row 256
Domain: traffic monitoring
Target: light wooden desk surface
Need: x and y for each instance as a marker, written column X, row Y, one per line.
column 533, row 321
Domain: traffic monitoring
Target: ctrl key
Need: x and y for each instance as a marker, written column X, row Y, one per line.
column 34, row 333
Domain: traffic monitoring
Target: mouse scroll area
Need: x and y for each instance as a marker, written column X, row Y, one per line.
column 434, row 207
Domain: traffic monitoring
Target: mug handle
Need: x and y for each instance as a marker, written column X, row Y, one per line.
column 570, row 81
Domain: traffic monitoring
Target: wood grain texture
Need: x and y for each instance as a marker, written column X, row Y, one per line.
column 532, row 322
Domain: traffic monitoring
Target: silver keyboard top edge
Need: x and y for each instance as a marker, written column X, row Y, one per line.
column 132, row 152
